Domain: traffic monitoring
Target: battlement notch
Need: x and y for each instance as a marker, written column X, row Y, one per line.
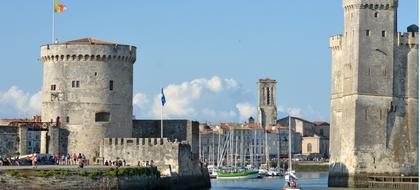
column 336, row 42
column 370, row 4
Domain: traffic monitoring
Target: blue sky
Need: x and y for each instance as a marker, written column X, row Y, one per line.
column 207, row 55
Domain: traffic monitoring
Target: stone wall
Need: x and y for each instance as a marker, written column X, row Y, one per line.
column 88, row 88
column 74, row 181
column 374, row 95
column 162, row 152
column 180, row 130
column 9, row 141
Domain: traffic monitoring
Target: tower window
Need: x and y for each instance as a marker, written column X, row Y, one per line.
column 367, row 32
column 53, row 87
column 268, row 96
column 366, row 114
column 383, row 33
column 111, row 85
column 376, row 15
column 102, row 116
column 75, row 84
column 67, row 119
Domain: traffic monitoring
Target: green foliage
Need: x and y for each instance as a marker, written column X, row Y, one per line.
column 64, row 172
column 93, row 174
column 2, row 180
column 15, row 173
column 83, row 173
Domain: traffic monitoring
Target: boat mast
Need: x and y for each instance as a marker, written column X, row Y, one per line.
column 290, row 146
column 218, row 148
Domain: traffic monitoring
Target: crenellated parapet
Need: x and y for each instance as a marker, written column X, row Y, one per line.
column 139, row 142
column 86, row 57
column 370, row 4
column 410, row 39
column 168, row 156
column 82, row 51
column 336, row 42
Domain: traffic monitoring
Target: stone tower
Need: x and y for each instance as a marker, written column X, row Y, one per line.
column 374, row 95
column 267, row 110
column 87, row 89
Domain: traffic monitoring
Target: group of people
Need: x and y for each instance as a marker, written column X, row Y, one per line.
column 9, row 161
column 115, row 163
column 146, row 163
column 35, row 159
column 70, row 159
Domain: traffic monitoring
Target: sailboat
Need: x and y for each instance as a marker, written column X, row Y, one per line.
column 290, row 177
column 232, row 171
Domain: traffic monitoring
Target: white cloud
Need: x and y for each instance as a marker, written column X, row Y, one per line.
column 296, row 112
column 200, row 99
column 215, row 84
column 17, row 103
column 231, row 83
column 246, row 110
column 293, row 111
column 140, row 100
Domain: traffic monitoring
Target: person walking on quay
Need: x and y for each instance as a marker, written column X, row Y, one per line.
column 68, row 159
column 81, row 163
column 34, row 160
column 57, row 159
column 63, row 159
column 74, row 158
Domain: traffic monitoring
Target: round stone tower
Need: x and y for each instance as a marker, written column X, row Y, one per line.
column 87, row 89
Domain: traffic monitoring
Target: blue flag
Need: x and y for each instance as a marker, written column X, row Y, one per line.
column 163, row 98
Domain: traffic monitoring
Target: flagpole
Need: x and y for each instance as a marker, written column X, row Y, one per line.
column 161, row 121
column 53, row 22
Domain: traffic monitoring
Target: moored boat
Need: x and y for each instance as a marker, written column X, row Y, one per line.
column 236, row 173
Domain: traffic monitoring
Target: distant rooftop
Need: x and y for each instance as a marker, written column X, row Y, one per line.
column 89, row 40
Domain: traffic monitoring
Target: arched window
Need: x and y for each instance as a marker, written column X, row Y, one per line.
column 309, row 147
column 268, row 96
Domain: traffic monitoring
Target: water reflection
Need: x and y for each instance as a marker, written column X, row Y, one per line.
column 307, row 181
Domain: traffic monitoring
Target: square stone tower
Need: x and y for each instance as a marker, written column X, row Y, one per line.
column 267, row 110
column 374, row 95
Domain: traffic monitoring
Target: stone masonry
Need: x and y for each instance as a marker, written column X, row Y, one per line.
column 267, row 110
column 173, row 130
column 87, row 89
column 165, row 154
column 374, row 95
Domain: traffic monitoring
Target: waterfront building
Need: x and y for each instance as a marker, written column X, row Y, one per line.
column 315, row 145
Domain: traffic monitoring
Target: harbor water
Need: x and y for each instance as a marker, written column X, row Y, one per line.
column 307, row 181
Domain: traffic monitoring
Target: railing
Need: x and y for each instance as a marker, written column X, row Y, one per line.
column 397, row 182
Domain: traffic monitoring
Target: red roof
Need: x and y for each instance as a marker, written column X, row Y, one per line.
column 89, row 40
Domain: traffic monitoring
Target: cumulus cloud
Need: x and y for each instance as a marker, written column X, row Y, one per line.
column 296, row 112
column 17, row 103
column 182, row 99
column 293, row 111
column 140, row 100
column 203, row 99
column 246, row 110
